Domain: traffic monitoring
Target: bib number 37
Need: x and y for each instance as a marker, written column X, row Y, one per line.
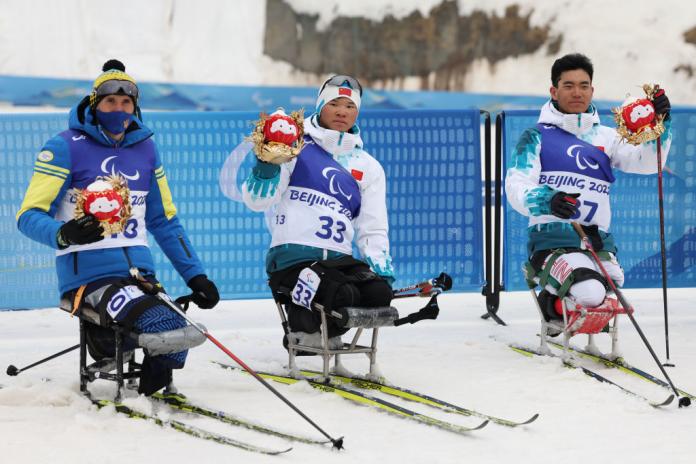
column 306, row 288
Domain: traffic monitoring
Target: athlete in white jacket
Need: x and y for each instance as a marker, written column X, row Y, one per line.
column 562, row 173
column 331, row 195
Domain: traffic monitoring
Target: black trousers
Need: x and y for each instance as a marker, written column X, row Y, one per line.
column 357, row 291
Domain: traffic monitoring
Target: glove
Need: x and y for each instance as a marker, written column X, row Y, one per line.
column 80, row 231
column 205, row 293
column 564, row 205
column 661, row 103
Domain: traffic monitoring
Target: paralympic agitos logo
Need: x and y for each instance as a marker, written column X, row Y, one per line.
column 582, row 162
column 334, row 185
column 113, row 171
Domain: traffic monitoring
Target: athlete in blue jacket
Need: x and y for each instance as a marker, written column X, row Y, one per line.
column 105, row 138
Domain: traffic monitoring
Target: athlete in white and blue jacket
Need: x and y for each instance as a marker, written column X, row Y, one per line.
column 562, row 173
column 332, row 195
column 107, row 137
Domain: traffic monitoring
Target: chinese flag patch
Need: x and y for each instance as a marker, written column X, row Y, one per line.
column 600, row 147
column 358, row 175
column 345, row 91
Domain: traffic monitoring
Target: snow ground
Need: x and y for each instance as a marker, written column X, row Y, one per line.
column 459, row 358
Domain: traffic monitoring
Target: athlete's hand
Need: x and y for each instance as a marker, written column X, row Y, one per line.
column 661, row 103
column 80, row 231
column 564, row 205
column 205, row 293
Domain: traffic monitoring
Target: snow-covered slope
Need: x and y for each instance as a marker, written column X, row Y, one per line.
column 459, row 358
column 221, row 41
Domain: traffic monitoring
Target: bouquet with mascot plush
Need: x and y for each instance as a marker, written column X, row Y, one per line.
column 636, row 120
column 277, row 137
column 108, row 200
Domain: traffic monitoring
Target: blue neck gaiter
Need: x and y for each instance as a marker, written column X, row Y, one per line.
column 112, row 121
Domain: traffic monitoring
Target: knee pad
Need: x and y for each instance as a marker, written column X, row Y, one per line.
column 347, row 294
column 589, row 293
column 367, row 318
column 171, row 341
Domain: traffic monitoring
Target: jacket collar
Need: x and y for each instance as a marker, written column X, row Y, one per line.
column 81, row 119
column 577, row 124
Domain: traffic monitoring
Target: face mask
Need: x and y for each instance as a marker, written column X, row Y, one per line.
column 113, row 121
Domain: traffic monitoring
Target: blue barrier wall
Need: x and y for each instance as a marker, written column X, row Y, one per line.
column 635, row 213
column 40, row 91
column 431, row 159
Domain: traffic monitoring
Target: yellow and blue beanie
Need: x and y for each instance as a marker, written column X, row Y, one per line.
column 113, row 70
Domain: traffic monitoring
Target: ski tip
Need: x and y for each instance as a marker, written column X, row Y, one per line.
column 684, row 402
column 270, row 452
column 481, row 425
column 669, row 399
column 531, row 419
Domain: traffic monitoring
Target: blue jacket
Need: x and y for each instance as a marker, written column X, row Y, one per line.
column 75, row 158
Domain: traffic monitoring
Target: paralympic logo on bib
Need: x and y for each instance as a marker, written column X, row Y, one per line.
column 574, row 151
column 108, row 162
column 334, row 185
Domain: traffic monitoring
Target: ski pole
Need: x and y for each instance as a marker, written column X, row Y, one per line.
column 410, row 287
column 443, row 282
column 12, row 369
column 663, row 254
column 337, row 442
column 683, row 401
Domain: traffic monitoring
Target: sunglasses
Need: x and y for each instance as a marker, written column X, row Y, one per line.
column 343, row 81
column 114, row 87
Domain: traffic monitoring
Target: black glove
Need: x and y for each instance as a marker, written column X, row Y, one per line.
column 86, row 229
column 564, row 205
column 661, row 103
column 205, row 293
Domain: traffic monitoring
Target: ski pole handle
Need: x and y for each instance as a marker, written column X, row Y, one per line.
column 580, row 232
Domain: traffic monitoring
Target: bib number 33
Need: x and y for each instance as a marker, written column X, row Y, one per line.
column 306, row 288
column 331, row 230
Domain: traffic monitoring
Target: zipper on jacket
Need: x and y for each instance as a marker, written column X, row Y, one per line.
column 130, row 263
column 75, row 262
column 183, row 245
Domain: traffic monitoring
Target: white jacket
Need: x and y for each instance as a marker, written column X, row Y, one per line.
column 317, row 222
column 529, row 186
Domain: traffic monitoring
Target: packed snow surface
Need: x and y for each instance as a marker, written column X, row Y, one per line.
column 459, row 358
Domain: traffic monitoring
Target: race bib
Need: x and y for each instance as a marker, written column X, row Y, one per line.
column 306, row 288
column 122, row 298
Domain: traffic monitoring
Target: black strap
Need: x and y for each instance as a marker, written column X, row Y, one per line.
column 115, row 287
column 582, row 273
column 137, row 310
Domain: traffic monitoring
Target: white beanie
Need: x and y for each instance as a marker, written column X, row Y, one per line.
column 332, row 92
